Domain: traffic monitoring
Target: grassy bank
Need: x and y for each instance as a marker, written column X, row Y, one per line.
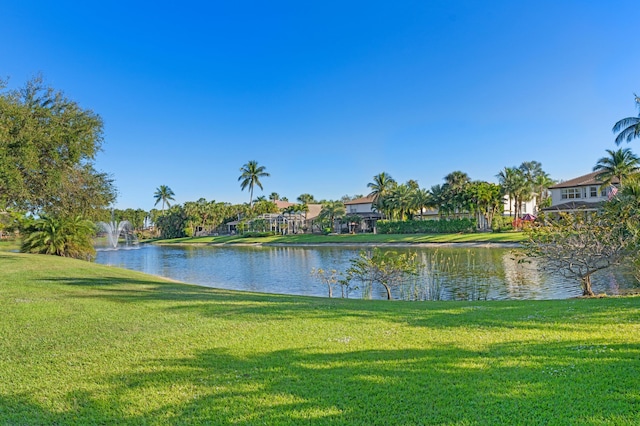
column 507, row 237
column 90, row 344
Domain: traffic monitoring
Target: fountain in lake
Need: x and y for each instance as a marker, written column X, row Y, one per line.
column 115, row 231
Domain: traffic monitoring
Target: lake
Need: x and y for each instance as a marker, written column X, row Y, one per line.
column 451, row 273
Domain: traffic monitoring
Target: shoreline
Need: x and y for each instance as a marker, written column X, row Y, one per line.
column 471, row 244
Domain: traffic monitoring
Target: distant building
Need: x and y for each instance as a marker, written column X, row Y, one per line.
column 581, row 193
column 363, row 207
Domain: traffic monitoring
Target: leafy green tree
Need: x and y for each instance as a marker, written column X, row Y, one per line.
column 48, row 145
column 173, row 222
column 250, row 177
column 66, row 237
column 628, row 128
column 620, row 164
column 274, row 196
column 165, row 194
column 264, row 206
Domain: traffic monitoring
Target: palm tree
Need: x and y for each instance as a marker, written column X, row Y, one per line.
column 401, row 199
column 422, row 200
column 541, row 184
column 71, row 237
column 438, row 199
column 514, row 184
column 332, row 210
column 380, row 188
column 456, row 199
column 306, row 199
column 620, row 164
column 628, row 128
column 274, row 196
column 457, row 180
column 381, row 185
column 165, row 194
column 251, row 174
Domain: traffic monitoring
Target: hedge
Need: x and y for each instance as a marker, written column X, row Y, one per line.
column 442, row 226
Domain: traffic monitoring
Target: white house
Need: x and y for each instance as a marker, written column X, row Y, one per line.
column 530, row 206
column 581, row 193
column 363, row 207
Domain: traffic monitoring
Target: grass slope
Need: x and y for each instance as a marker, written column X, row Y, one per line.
column 88, row 344
column 507, row 237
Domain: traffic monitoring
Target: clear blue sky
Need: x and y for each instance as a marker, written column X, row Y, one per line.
column 328, row 94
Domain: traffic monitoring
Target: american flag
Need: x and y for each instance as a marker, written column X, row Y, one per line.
column 612, row 192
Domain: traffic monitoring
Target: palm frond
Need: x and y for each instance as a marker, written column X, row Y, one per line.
column 628, row 134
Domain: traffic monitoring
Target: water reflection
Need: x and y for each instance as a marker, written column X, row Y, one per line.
column 449, row 273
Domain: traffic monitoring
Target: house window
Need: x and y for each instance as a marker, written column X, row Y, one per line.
column 571, row 193
column 593, row 191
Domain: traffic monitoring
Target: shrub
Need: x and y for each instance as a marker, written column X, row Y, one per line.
column 66, row 237
column 443, row 226
column 502, row 224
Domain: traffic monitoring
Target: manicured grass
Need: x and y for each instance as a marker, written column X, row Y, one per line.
column 507, row 237
column 89, row 344
column 9, row 245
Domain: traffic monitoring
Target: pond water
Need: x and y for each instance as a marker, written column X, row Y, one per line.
column 450, row 273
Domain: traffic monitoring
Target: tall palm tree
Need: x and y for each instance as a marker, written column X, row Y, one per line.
column 250, row 177
column 628, row 128
column 620, row 164
column 381, row 185
column 515, row 186
column 165, row 194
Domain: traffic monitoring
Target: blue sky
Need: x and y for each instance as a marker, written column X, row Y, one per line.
column 328, row 94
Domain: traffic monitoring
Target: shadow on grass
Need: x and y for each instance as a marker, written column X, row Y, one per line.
column 216, row 303
column 513, row 383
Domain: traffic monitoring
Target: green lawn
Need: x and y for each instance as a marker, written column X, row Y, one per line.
column 88, row 344
column 507, row 237
column 9, row 245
